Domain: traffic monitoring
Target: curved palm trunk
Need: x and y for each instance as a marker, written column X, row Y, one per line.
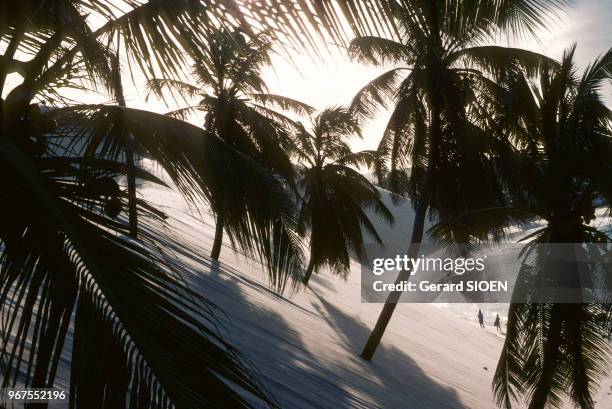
column 387, row 312
column 417, row 229
column 309, row 270
column 216, row 250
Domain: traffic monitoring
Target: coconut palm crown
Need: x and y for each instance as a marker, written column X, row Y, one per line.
column 335, row 196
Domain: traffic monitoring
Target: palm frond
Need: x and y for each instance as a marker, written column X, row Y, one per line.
column 508, row 379
column 480, row 226
column 72, row 261
column 402, row 146
column 188, row 92
column 380, row 51
column 186, row 112
column 151, row 30
column 596, row 73
column 376, row 94
column 284, row 103
column 361, row 158
column 495, row 59
column 205, row 169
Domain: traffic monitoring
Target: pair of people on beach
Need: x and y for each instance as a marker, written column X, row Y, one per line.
column 497, row 322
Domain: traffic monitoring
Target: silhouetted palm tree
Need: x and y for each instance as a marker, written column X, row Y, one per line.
column 335, row 196
column 436, row 144
column 239, row 110
column 558, row 172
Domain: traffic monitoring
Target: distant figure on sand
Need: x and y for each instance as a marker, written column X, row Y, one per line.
column 481, row 319
column 497, row 323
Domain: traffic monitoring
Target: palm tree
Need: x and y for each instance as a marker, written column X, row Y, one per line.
column 436, row 142
column 239, row 110
column 335, row 195
column 65, row 263
column 558, row 171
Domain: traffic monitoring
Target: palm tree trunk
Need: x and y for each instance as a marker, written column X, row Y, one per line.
column 216, row 250
column 309, row 270
column 131, row 180
column 387, row 312
column 129, row 153
column 417, row 229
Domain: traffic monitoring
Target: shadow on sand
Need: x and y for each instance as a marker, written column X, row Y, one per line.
column 295, row 374
column 394, row 369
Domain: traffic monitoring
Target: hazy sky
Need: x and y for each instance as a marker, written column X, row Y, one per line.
column 335, row 80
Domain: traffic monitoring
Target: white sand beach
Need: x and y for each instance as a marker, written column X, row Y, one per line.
column 306, row 344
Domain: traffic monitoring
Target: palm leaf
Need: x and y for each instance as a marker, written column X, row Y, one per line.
column 376, row 94
column 480, row 226
column 495, row 59
column 380, row 51
column 256, row 206
column 118, row 290
column 284, row 103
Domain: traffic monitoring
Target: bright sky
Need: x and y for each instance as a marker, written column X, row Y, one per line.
column 335, row 80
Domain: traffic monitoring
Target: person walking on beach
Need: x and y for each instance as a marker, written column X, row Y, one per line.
column 497, row 323
column 481, row 319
